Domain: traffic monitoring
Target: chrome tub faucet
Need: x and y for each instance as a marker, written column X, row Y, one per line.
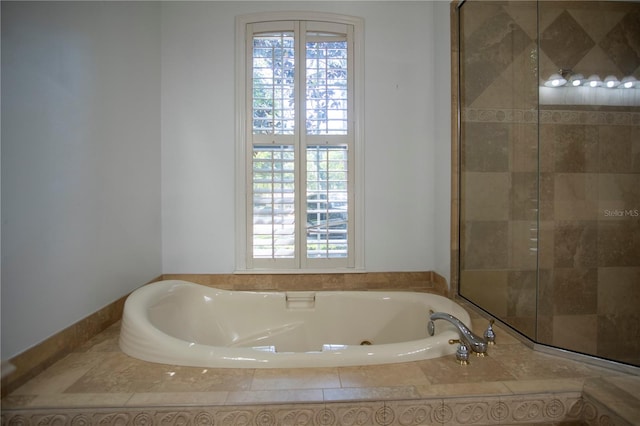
column 472, row 341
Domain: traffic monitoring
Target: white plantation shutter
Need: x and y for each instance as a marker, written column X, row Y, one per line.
column 327, row 81
column 300, row 145
column 273, row 202
column 327, row 198
column 273, row 79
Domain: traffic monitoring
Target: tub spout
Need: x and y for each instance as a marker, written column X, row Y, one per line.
column 476, row 343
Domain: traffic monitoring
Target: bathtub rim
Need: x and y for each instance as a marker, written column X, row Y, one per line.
column 138, row 334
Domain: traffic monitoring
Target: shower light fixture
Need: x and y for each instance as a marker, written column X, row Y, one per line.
column 629, row 82
column 611, row 81
column 559, row 78
column 593, row 81
column 566, row 77
column 576, row 80
column 555, row 80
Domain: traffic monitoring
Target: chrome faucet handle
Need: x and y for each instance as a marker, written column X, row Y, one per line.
column 475, row 343
column 462, row 353
column 489, row 334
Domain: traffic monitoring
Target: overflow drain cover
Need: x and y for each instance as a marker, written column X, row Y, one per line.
column 365, row 342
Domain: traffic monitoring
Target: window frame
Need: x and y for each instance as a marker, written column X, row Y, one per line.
column 243, row 167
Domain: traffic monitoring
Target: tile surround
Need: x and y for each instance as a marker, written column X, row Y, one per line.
column 622, row 43
column 34, row 360
column 487, row 57
column 98, row 385
column 588, row 159
column 563, row 49
column 419, row 280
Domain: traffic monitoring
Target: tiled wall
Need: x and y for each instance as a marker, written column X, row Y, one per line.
column 428, row 281
column 590, row 232
column 590, row 187
column 577, row 166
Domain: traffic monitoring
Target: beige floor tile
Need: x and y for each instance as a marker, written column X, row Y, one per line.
column 382, row 375
column 371, row 393
column 446, row 370
column 14, row 401
column 177, row 399
column 525, row 364
column 295, row 378
column 121, row 373
column 193, row 379
column 463, row 389
column 81, row 400
column 629, row 384
column 274, row 396
column 60, row 376
column 549, row 385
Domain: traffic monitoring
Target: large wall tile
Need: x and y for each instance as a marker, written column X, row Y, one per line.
column 614, row 337
column 486, row 196
column 575, row 244
column 575, row 196
column 523, row 147
column 486, row 147
column 622, row 43
column 619, row 243
column 565, row 41
column 488, row 50
column 618, row 290
column 523, row 245
column 575, row 291
column 619, row 194
column 576, row 148
column 576, row 332
column 521, row 293
column 523, row 196
column 486, row 245
column 487, row 289
column 615, row 149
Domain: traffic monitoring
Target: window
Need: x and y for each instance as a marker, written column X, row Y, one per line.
column 299, row 142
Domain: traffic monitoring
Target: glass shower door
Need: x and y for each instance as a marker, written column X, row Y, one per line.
column 549, row 170
column 589, row 287
column 499, row 159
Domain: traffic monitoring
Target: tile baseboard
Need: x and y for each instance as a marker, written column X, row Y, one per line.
column 36, row 359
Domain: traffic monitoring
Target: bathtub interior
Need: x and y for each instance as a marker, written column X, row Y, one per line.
column 293, row 321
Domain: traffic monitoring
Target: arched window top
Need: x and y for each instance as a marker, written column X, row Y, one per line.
column 327, row 17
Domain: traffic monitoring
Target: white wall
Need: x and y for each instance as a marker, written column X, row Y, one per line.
column 198, row 137
column 402, row 142
column 80, row 161
column 118, row 148
column 442, row 139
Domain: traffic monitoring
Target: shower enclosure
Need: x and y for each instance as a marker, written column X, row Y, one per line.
column 548, row 174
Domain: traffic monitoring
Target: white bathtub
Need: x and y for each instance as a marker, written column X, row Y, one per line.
column 181, row 323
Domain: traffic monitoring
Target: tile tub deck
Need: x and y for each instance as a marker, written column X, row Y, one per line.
column 99, row 385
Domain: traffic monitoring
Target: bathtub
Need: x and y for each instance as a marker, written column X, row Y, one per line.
column 182, row 323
